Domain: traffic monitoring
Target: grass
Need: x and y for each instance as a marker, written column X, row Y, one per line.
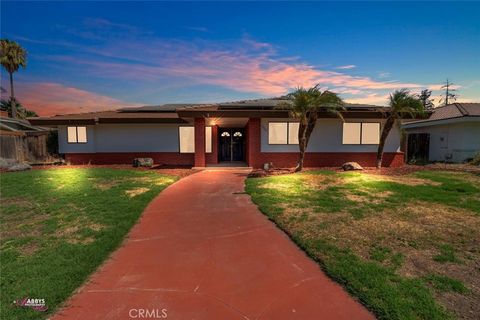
column 384, row 238
column 59, row 225
column 445, row 284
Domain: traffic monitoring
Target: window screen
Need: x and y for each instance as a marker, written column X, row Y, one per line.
column 187, row 139
column 351, row 133
column 293, row 132
column 277, row 133
column 72, row 134
column 370, row 133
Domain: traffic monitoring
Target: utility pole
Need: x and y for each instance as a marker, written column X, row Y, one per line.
column 449, row 92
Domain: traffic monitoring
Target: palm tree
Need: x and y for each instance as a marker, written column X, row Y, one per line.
column 402, row 103
column 12, row 57
column 304, row 105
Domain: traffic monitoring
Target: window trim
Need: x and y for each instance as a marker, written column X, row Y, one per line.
column 288, row 135
column 361, row 134
column 76, row 132
column 179, row 140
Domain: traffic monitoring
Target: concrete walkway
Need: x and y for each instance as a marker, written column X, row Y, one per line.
column 202, row 250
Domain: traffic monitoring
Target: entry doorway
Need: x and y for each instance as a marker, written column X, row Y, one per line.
column 231, row 144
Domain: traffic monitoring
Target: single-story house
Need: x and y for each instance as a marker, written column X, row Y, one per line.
column 253, row 132
column 451, row 134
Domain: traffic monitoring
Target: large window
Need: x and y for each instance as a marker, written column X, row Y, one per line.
column 77, row 134
column 186, row 139
column 283, row 132
column 361, row 133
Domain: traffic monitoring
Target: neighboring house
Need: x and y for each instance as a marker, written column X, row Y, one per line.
column 253, row 132
column 20, row 141
column 451, row 133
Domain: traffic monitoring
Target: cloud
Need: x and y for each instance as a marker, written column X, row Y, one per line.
column 200, row 29
column 370, row 98
column 48, row 98
column 347, row 67
column 245, row 66
column 131, row 56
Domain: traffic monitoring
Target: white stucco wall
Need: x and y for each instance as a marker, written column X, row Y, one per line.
column 460, row 139
column 124, row 138
column 327, row 137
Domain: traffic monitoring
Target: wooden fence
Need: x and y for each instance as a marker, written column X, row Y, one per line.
column 24, row 146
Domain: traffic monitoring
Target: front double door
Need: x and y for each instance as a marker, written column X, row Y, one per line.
column 231, row 144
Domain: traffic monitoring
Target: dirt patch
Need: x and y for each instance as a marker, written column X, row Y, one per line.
column 105, row 185
column 406, row 180
column 135, row 192
column 179, row 171
column 28, row 249
column 70, row 232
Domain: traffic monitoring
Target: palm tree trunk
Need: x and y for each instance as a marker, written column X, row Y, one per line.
column 386, row 130
column 302, row 144
column 12, row 97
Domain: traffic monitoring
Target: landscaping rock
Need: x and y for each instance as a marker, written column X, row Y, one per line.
column 268, row 166
column 20, row 167
column 143, row 162
column 348, row 166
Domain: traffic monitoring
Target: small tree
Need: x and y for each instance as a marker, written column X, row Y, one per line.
column 402, row 103
column 12, row 57
column 304, row 105
column 424, row 97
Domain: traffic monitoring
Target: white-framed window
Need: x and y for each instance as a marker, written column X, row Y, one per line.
column 77, row 134
column 186, row 137
column 208, row 139
column 283, row 132
column 361, row 133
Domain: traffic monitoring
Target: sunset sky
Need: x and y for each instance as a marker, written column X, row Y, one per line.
column 85, row 56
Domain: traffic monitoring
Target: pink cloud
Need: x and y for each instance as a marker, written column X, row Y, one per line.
column 47, row 98
column 249, row 67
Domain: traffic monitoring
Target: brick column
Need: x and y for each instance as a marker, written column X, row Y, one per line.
column 199, row 142
column 212, row 158
column 253, row 143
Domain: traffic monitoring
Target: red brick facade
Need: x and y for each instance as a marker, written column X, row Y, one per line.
column 159, row 158
column 212, row 157
column 199, row 142
column 254, row 157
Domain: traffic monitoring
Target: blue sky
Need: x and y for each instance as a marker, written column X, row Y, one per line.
column 101, row 55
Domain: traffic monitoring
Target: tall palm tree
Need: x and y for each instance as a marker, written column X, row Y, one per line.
column 402, row 103
column 304, row 105
column 12, row 57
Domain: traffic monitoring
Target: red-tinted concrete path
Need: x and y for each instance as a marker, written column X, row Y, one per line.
column 202, row 250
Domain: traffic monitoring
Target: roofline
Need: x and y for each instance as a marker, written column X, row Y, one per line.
column 106, row 120
column 427, row 123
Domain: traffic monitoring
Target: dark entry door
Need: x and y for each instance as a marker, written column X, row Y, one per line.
column 231, row 144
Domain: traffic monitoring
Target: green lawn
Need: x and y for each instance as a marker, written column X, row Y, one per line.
column 58, row 226
column 407, row 246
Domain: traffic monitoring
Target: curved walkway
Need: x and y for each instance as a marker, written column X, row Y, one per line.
column 202, row 250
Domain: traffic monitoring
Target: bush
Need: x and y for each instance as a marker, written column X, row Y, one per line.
column 476, row 160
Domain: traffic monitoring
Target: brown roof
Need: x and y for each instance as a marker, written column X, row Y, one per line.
column 452, row 111
column 173, row 113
